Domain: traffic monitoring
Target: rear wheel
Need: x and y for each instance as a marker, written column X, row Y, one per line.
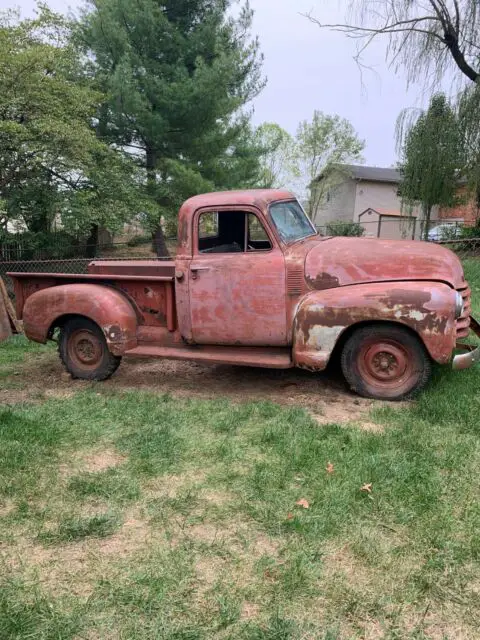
column 84, row 351
column 385, row 362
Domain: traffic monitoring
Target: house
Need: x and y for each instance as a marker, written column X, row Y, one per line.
column 368, row 196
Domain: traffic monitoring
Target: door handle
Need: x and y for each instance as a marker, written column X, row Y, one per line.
column 195, row 271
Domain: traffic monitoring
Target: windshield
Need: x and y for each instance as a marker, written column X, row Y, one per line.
column 291, row 221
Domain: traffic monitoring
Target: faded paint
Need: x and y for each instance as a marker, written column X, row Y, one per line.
column 430, row 316
column 108, row 308
column 347, row 261
column 258, row 304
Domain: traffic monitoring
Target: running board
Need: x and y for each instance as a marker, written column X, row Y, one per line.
column 269, row 358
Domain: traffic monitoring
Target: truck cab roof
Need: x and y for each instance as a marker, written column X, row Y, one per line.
column 252, row 197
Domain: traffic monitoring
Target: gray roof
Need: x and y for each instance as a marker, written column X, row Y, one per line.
column 375, row 174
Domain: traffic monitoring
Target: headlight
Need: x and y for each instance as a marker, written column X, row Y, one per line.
column 459, row 306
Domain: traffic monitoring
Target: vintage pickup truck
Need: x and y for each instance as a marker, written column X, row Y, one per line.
column 254, row 284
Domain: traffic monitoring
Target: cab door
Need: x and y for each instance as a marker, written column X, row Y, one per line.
column 237, row 282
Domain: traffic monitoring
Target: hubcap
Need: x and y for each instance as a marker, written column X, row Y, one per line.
column 384, row 362
column 85, row 349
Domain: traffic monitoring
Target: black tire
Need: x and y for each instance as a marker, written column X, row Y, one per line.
column 84, row 352
column 385, row 362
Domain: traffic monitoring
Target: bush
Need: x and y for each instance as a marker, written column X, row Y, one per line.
column 40, row 246
column 344, row 229
column 472, row 234
column 137, row 241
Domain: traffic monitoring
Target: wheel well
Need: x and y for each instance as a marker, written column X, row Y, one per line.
column 335, row 357
column 60, row 322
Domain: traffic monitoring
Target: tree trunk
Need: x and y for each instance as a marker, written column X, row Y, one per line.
column 159, row 244
column 427, row 212
column 92, row 242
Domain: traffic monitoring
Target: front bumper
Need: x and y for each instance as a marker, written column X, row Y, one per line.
column 467, row 360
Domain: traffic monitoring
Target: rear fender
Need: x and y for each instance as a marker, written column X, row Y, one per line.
column 108, row 308
column 322, row 317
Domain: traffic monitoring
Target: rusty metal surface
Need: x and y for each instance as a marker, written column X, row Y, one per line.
column 305, row 294
column 149, row 268
column 269, row 358
column 94, row 277
column 344, row 261
column 323, row 316
column 239, row 300
column 258, row 198
column 467, row 360
column 108, row 308
column 464, row 322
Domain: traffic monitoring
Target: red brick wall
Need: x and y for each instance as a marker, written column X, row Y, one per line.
column 467, row 211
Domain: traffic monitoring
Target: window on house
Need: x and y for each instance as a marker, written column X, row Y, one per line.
column 231, row 232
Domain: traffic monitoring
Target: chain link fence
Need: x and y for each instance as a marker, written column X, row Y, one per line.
column 467, row 250
column 73, row 266
column 394, row 227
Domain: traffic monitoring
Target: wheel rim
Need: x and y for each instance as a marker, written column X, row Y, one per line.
column 385, row 364
column 85, row 349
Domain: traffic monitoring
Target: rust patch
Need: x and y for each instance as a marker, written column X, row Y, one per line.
column 427, row 308
column 323, row 281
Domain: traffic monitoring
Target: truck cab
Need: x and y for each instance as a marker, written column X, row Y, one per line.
column 253, row 283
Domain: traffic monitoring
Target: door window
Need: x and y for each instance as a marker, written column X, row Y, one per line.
column 231, row 232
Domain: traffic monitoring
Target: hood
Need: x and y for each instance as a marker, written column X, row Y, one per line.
column 337, row 262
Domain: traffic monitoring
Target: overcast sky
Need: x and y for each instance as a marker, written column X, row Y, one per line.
column 308, row 68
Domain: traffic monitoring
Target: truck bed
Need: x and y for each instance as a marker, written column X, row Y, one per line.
column 149, row 284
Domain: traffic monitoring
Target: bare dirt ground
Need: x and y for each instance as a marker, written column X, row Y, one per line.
column 325, row 395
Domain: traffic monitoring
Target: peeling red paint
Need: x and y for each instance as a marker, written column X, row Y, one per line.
column 286, row 305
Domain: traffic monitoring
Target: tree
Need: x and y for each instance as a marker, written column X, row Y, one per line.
column 279, row 165
column 425, row 38
column 176, row 73
column 322, row 143
column 432, row 157
column 52, row 163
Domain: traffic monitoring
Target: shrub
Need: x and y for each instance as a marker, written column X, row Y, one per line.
column 344, row 229
column 137, row 241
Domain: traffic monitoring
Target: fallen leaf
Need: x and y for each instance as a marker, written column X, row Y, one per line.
column 330, row 468
column 290, row 516
column 367, row 488
column 303, row 503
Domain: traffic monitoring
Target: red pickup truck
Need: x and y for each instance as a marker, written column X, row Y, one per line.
column 253, row 283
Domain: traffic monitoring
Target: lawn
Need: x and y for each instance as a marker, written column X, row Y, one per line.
column 127, row 514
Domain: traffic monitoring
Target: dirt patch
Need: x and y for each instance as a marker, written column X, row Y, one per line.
column 350, row 413
column 75, row 567
column 208, row 570
column 91, row 462
column 6, row 508
column 170, row 485
column 101, row 461
column 325, row 395
column 249, row 611
column 236, row 536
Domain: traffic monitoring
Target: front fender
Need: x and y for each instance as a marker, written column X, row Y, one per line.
column 108, row 308
column 428, row 308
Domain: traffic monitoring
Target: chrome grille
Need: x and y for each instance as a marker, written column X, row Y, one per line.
column 463, row 323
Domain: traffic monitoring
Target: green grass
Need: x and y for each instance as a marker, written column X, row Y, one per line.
column 135, row 515
column 207, row 540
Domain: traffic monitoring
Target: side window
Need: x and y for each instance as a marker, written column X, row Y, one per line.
column 231, row 232
column 208, row 225
column 258, row 239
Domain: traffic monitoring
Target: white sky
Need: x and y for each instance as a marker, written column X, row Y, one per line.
column 308, row 68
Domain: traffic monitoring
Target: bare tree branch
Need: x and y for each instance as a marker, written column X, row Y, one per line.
column 448, row 34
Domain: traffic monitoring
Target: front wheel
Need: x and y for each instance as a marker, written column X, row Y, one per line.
column 84, row 351
column 385, row 362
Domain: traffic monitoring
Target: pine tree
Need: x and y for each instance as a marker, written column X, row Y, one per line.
column 177, row 73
